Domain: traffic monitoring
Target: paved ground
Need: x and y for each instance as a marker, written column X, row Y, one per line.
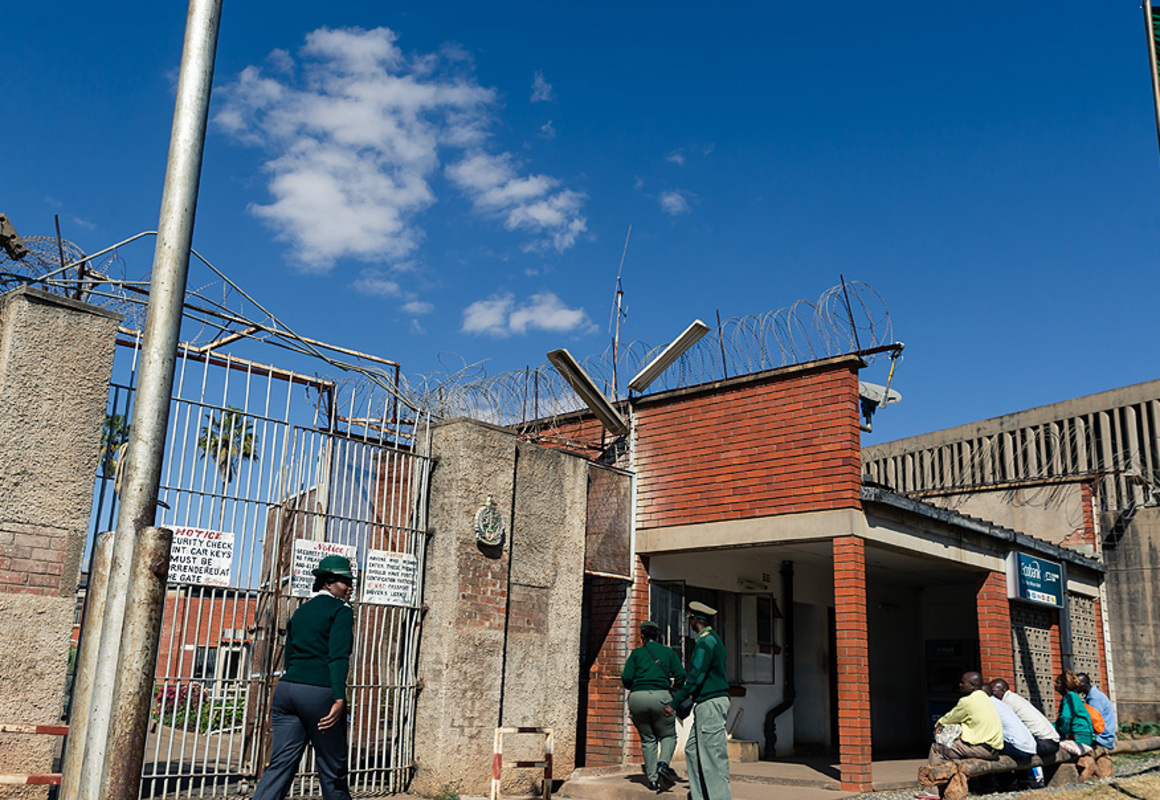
column 803, row 779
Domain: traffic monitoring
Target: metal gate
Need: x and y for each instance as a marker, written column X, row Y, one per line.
column 266, row 469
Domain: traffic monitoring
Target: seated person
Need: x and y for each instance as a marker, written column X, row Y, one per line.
column 982, row 730
column 1100, row 702
column 1073, row 723
column 1046, row 736
column 1017, row 739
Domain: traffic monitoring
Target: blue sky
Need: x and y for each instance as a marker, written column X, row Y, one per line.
column 420, row 179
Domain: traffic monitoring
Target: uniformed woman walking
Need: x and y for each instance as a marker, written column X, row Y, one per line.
column 651, row 673
column 310, row 699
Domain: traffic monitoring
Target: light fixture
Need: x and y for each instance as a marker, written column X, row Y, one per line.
column 578, row 379
column 690, row 337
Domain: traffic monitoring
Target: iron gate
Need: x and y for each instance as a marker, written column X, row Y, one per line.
column 265, row 469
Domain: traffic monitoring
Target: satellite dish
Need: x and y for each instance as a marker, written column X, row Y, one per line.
column 878, row 395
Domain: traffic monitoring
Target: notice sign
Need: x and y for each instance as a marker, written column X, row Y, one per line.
column 307, row 554
column 1035, row 580
column 390, row 579
column 201, row 557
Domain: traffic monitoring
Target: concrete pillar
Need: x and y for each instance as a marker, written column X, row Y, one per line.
column 853, row 664
column 996, row 647
column 56, row 357
column 501, row 639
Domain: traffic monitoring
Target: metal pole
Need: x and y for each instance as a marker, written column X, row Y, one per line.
column 1149, row 26
column 155, row 385
column 82, row 695
column 122, row 772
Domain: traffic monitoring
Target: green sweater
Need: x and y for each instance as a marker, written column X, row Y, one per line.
column 641, row 672
column 706, row 678
column 1074, row 721
column 318, row 644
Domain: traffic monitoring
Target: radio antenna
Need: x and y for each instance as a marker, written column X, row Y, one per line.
column 617, row 314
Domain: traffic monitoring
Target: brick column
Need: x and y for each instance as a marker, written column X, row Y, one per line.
column 996, row 649
column 853, row 658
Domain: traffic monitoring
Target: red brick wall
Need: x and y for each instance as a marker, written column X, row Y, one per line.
column 200, row 620
column 483, row 587
column 777, row 445
column 1056, row 665
column 993, row 609
column 31, row 559
column 607, row 648
column 853, row 663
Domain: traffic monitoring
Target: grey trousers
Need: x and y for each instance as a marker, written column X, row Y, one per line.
column 657, row 732
column 297, row 709
column 707, row 751
column 960, row 749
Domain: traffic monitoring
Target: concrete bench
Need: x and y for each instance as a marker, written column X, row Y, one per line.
column 950, row 777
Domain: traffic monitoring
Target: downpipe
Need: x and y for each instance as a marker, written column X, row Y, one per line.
column 789, row 690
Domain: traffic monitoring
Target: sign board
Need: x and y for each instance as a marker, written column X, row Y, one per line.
column 390, row 579
column 1035, row 580
column 201, row 557
column 307, row 554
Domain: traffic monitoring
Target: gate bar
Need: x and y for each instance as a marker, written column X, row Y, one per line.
column 497, row 762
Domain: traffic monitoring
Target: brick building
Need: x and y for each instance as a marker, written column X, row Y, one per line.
column 848, row 610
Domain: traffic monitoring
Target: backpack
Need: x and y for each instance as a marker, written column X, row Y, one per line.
column 1098, row 724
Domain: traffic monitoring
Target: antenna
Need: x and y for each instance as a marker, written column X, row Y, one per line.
column 578, row 379
column 619, row 314
column 689, row 337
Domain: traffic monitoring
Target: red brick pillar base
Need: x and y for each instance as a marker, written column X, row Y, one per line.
column 853, row 659
column 996, row 650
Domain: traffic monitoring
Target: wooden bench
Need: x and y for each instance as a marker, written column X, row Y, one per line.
column 950, row 777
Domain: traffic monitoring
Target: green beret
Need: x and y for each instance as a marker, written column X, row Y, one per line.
column 649, row 624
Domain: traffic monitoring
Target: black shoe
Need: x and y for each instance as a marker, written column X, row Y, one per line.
column 653, row 786
column 667, row 774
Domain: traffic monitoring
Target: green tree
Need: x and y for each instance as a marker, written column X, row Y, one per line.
column 227, row 439
column 114, row 434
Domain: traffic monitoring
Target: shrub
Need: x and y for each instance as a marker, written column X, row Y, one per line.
column 188, row 706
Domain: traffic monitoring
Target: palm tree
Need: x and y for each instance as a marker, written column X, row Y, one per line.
column 114, row 434
column 228, row 438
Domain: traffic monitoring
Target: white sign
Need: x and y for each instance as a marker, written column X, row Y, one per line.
column 307, row 554
column 201, row 556
column 390, row 579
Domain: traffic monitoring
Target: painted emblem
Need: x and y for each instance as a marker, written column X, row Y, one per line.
column 489, row 525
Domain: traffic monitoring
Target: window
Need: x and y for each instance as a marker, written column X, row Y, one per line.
column 755, row 637
column 204, row 663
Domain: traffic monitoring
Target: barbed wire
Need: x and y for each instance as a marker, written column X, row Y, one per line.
column 845, row 318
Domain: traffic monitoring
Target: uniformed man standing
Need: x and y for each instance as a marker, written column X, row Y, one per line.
column 706, row 750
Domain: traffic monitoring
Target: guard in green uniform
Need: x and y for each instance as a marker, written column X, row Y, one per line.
column 651, row 673
column 706, row 750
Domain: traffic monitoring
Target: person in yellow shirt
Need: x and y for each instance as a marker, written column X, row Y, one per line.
column 981, row 733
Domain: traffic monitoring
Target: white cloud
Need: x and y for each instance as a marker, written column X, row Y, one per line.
column 674, row 202
column 418, row 307
column 677, row 157
column 533, row 203
column 352, row 134
column 541, row 89
column 500, row 316
column 638, row 182
column 547, row 131
column 375, row 281
column 84, row 223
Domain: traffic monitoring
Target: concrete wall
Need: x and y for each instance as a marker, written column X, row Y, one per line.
column 1132, row 553
column 530, row 589
column 56, row 357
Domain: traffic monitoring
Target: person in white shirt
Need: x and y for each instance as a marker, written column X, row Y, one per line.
column 1017, row 739
column 1046, row 737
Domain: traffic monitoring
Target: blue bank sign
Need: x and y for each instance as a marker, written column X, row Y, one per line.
column 1035, row 580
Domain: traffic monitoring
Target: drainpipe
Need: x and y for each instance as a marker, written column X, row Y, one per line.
column 789, row 690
